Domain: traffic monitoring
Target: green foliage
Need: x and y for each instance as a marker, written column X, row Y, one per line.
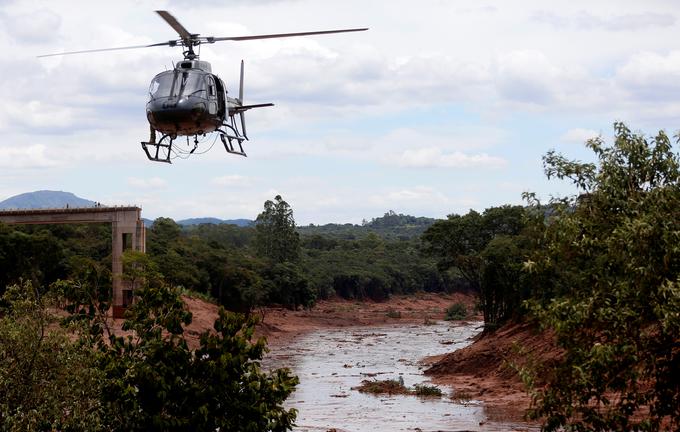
column 275, row 235
column 396, row 386
column 372, row 268
column 85, row 378
column 35, row 256
column 425, row 390
column 288, row 286
column 154, row 381
column 388, row 386
column 456, row 311
column 613, row 260
column 488, row 251
column 47, row 380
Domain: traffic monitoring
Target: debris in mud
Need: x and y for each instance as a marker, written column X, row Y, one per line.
column 397, row 387
column 388, row 386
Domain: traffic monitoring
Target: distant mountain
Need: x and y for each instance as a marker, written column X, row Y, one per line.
column 45, row 199
column 216, row 221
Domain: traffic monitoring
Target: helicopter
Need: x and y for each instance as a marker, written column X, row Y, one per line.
column 191, row 101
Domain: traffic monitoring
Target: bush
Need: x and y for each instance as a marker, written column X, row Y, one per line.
column 427, row 390
column 456, row 311
column 388, row 386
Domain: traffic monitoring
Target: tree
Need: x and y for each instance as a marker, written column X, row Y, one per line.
column 36, row 256
column 613, row 258
column 486, row 250
column 48, row 381
column 154, row 381
column 289, row 287
column 275, row 235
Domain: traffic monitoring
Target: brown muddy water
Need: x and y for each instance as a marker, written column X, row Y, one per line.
column 331, row 362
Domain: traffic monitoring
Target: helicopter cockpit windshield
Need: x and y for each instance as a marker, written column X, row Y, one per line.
column 177, row 84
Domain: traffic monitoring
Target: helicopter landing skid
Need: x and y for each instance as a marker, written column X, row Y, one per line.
column 155, row 148
column 231, row 137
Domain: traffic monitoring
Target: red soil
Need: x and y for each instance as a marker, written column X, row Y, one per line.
column 486, row 370
column 480, row 371
column 280, row 324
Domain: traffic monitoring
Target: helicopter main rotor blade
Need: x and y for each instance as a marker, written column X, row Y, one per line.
column 170, row 43
column 179, row 28
column 281, row 35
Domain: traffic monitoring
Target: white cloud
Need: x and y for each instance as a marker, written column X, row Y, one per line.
column 424, row 106
column 35, row 27
column 28, row 157
column 579, row 135
column 37, row 114
column 147, row 183
column 231, row 180
column 433, row 157
column 588, row 21
column 650, row 75
column 528, row 76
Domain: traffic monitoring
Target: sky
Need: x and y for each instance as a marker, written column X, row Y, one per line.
column 441, row 107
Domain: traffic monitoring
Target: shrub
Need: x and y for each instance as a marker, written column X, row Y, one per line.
column 427, row 390
column 456, row 311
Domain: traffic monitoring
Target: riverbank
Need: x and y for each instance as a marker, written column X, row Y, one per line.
column 479, row 372
column 280, row 324
column 486, row 370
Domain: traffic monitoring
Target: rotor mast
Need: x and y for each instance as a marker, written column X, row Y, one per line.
column 188, row 40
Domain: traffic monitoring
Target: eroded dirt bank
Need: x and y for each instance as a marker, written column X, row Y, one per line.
column 484, row 370
column 480, row 371
column 281, row 323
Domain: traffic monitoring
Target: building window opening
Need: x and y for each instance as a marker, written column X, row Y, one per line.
column 127, row 241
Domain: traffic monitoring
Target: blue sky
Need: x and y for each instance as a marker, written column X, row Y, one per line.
column 441, row 107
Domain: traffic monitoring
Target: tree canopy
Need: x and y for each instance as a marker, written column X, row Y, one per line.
column 275, row 235
column 612, row 257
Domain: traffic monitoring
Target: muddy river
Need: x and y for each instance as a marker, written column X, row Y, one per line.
column 331, row 362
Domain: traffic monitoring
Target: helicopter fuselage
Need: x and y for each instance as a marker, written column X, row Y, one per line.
column 188, row 100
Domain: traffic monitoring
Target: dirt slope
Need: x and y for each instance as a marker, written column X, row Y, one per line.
column 480, row 372
column 483, row 370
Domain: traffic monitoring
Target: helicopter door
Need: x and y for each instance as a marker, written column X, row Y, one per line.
column 212, row 95
column 220, row 96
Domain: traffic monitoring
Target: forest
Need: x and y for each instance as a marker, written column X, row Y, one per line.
column 235, row 265
column 599, row 269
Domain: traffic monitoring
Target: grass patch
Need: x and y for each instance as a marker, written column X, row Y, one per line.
column 389, row 386
column 456, row 311
column 392, row 387
column 425, row 390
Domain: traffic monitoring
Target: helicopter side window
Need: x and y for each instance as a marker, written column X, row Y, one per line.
column 211, row 88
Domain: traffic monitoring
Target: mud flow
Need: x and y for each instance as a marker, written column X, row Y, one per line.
column 331, row 362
